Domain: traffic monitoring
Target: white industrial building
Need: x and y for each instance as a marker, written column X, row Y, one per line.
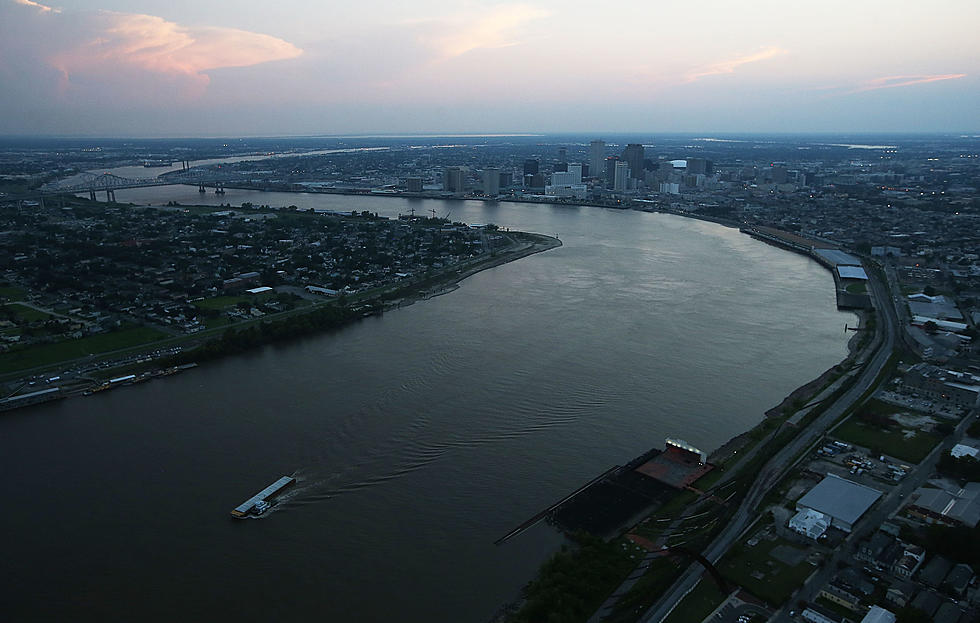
column 810, row 523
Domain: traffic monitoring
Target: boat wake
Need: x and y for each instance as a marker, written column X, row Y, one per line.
column 422, row 442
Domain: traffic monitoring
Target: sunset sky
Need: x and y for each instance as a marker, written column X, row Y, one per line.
column 241, row 67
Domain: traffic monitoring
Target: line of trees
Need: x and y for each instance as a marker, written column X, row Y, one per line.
column 234, row 341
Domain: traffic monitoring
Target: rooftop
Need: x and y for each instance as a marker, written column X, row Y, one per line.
column 838, row 257
column 840, row 498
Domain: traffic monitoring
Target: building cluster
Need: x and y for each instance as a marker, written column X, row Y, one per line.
column 87, row 269
column 958, row 389
column 912, row 206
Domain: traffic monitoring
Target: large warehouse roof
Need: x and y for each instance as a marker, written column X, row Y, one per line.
column 837, row 257
column 842, row 499
column 851, row 272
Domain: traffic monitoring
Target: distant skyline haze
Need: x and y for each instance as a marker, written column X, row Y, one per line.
column 246, row 68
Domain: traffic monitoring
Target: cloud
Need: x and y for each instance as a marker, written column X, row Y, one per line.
column 38, row 6
column 729, row 66
column 109, row 51
column 891, row 82
column 487, row 29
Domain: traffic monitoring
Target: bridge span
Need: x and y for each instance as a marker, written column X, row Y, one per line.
column 109, row 183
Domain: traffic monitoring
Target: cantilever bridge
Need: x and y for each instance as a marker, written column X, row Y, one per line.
column 110, row 183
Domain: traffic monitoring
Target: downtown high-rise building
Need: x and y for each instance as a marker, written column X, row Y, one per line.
column 491, row 182
column 610, row 168
column 621, row 179
column 597, row 157
column 454, row 179
column 701, row 166
column 530, row 167
column 633, row 155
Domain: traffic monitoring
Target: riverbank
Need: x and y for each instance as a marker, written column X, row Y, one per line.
column 233, row 339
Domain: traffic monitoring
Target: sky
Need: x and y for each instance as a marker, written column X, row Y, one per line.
column 292, row 67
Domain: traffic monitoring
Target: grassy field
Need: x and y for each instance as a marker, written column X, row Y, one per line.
column 23, row 313
column 778, row 580
column 46, row 354
column 224, row 302
column 891, row 442
column 220, row 321
column 12, row 293
column 697, row 604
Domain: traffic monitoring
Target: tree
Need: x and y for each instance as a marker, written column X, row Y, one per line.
column 930, row 327
column 909, row 614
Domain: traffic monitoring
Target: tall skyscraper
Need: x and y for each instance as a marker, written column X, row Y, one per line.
column 491, row 182
column 700, row 166
column 530, row 167
column 633, row 155
column 597, row 157
column 563, row 155
column 610, row 169
column 622, row 176
column 454, row 179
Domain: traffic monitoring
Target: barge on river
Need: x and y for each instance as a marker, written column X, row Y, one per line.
column 259, row 503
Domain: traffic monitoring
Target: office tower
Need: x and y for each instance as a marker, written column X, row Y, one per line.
column 562, row 155
column 414, row 184
column 597, row 157
column 610, row 169
column 530, row 167
column 454, row 179
column 633, row 155
column 622, row 176
column 506, row 179
column 700, row 166
column 565, row 178
column 491, row 182
column 576, row 172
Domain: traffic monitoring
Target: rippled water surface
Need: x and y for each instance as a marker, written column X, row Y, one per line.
column 418, row 437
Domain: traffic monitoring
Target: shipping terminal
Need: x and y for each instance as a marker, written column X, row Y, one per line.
column 259, row 503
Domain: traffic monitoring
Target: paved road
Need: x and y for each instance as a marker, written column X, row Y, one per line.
column 772, row 472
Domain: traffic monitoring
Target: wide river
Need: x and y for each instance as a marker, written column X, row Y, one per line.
column 418, row 437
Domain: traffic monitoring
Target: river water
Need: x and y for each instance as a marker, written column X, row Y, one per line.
column 418, row 437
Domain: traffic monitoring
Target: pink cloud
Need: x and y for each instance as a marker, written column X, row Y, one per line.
column 42, row 8
column 891, row 82
column 108, row 50
column 729, row 66
column 460, row 33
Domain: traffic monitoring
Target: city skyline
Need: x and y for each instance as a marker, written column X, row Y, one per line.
column 151, row 68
